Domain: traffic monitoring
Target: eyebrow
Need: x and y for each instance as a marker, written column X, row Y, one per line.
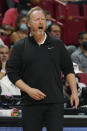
column 4, row 52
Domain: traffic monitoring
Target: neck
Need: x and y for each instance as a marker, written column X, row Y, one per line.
column 39, row 38
column 85, row 51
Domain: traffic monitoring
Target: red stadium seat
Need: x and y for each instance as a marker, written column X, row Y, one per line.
column 73, row 23
column 84, row 10
column 73, row 10
column 2, row 6
column 83, row 77
column 71, row 28
column 16, row 1
column 60, row 11
column 1, row 20
column 6, row 39
column 47, row 5
column 66, row 10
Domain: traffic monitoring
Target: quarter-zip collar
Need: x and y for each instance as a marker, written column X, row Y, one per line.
column 47, row 40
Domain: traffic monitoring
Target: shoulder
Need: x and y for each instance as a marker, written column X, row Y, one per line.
column 11, row 10
column 57, row 42
column 14, row 34
column 20, row 44
column 53, row 38
column 14, row 37
column 76, row 53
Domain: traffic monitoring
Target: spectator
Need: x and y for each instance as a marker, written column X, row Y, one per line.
column 10, row 3
column 55, row 30
column 20, row 29
column 81, row 88
column 9, row 19
column 11, row 15
column 76, row 68
column 7, row 88
column 80, row 55
column 4, row 55
column 48, row 18
column 25, row 5
column 35, row 2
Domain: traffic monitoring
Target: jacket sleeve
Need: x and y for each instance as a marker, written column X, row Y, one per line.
column 66, row 63
column 13, row 65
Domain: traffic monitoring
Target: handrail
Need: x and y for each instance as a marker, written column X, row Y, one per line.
column 53, row 20
column 65, row 6
column 60, row 2
column 67, row 10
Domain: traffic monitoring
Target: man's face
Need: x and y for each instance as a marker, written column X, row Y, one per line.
column 4, row 54
column 37, row 22
column 23, row 21
column 56, row 31
column 48, row 17
column 84, row 39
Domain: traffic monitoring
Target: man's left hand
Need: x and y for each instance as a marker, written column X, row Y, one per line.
column 74, row 100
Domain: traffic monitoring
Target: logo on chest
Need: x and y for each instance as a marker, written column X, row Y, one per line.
column 49, row 48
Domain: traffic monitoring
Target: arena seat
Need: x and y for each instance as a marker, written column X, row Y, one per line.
column 83, row 77
column 6, row 39
column 71, row 28
column 66, row 10
column 60, row 11
column 84, row 10
column 1, row 20
column 2, row 6
column 73, row 10
column 47, row 5
column 16, row 1
column 73, row 23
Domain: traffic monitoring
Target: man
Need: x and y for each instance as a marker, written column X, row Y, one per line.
column 10, row 3
column 8, row 23
column 48, row 18
column 4, row 55
column 80, row 55
column 55, row 30
column 35, row 67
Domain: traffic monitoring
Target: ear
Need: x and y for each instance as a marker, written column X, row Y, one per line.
column 28, row 24
column 80, row 41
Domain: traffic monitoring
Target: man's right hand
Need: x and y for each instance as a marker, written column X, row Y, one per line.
column 35, row 94
column 32, row 92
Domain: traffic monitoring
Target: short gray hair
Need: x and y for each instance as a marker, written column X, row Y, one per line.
column 36, row 8
column 4, row 46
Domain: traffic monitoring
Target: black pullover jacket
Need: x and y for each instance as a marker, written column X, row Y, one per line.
column 40, row 67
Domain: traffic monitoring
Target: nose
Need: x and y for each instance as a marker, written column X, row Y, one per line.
column 40, row 20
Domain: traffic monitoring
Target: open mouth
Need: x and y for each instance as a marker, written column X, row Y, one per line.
column 40, row 27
